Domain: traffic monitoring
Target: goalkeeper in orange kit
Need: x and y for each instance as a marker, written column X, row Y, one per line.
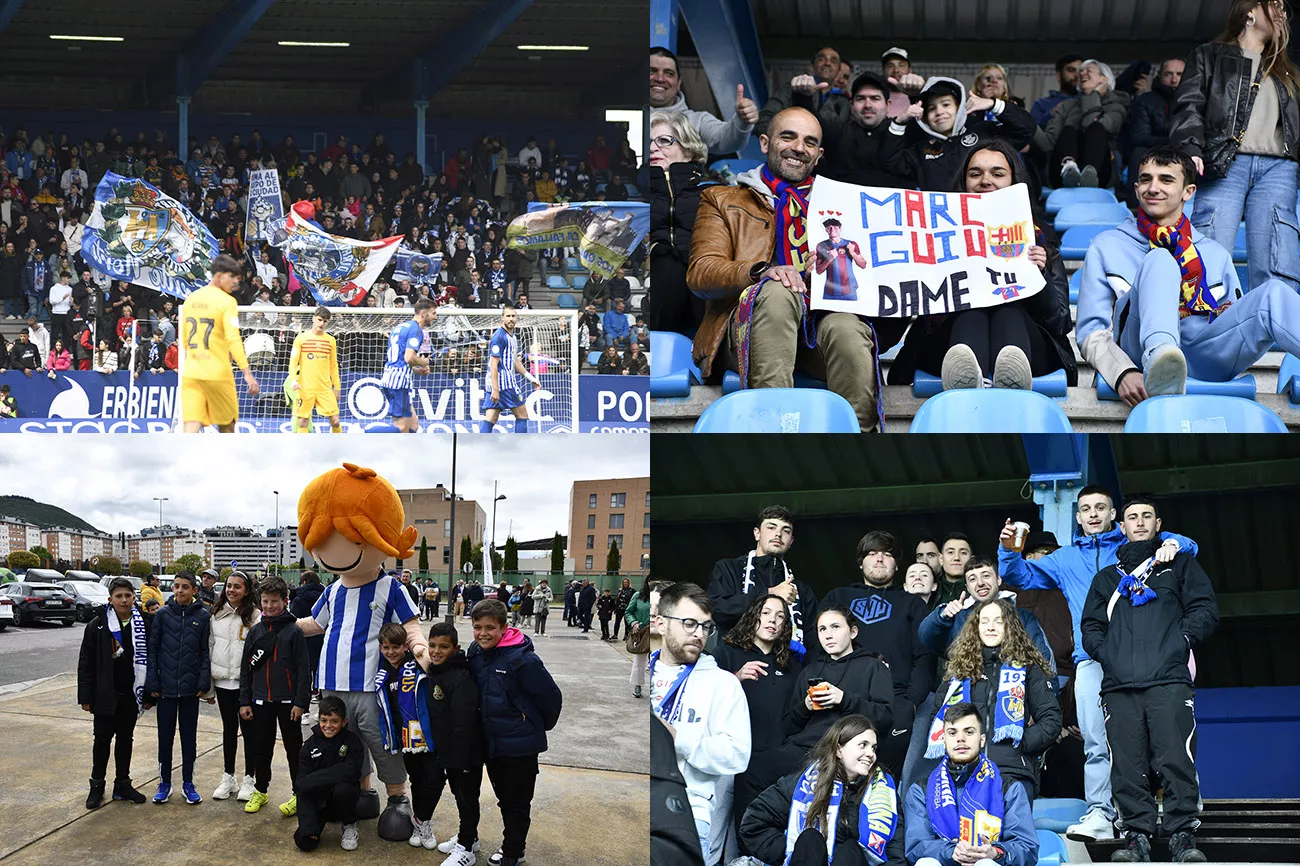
column 313, row 381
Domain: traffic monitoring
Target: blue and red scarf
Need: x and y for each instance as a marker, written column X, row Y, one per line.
column 973, row 814
column 1195, row 298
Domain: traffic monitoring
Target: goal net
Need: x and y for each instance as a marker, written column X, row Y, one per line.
column 449, row 398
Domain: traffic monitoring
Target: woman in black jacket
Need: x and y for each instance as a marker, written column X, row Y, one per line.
column 757, row 650
column 110, row 686
column 677, row 176
column 824, row 799
column 11, row 280
column 1010, row 343
column 845, row 680
column 1237, row 114
column 994, row 664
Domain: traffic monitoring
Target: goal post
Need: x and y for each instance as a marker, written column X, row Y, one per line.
column 450, row 397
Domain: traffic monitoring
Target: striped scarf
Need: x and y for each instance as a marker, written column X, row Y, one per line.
column 1196, row 299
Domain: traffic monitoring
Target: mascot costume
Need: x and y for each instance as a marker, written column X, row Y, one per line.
column 350, row 520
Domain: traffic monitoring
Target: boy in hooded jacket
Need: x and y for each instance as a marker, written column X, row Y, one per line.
column 520, row 702
column 454, row 721
column 929, row 144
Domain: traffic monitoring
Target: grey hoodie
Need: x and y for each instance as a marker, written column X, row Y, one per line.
column 720, row 136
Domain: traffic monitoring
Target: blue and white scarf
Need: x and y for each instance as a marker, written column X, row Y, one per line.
column 411, row 734
column 976, row 816
column 1008, row 711
column 1133, row 586
column 877, row 814
column 670, row 706
column 139, row 651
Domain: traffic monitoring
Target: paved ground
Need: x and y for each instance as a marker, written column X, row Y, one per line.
column 591, row 805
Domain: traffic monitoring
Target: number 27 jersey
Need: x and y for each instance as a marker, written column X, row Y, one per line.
column 210, row 335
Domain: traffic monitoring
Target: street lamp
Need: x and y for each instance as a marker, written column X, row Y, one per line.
column 160, row 500
column 279, row 552
column 495, row 500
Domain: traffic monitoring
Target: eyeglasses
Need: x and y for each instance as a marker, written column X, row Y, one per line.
column 663, row 141
column 690, row 625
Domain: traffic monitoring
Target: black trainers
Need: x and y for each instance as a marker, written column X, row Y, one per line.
column 123, row 790
column 1182, row 848
column 1137, row 849
column 96, row 795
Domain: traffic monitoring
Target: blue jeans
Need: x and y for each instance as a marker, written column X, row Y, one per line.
column 1263, row 189
column 1216, row 351
column 1092, row 724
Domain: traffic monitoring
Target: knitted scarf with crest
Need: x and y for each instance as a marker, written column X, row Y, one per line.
column 1195, row 298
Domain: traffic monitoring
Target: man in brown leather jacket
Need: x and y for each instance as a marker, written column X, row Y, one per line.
column 734, row 246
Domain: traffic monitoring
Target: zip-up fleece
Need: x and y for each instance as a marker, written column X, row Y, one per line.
column 276, row 667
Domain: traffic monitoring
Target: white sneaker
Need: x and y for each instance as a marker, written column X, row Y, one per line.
column 246, row 789
column 227, row 787
column 1011, row 369
column 461, row 857
column 1091, row 827
column 1166, row 371
column 349, row 840
column 453, row 843
column 422, row 835
column 961, row 369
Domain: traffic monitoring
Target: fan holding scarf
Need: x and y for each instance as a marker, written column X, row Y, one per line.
column 840, row 809
column 749, row 259
column 1160, row 301
column 967, row 813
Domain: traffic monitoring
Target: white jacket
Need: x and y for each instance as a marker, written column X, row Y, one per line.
column 712, row 746
column 226, row 646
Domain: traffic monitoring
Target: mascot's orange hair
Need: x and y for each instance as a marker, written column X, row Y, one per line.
column 363, row 507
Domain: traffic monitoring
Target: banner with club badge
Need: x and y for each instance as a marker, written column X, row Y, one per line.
column 339, row 271
column 140, row 234
column 900, row 253
column 265, row 221
column 420, row 268
column 604, row 233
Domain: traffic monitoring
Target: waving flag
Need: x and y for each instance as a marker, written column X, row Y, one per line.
column 338, row 270
column 605, row 233
column 419, row 268
column 140, row 234
column 265, row 220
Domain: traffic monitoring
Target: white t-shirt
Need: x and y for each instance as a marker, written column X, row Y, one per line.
column 60, row 298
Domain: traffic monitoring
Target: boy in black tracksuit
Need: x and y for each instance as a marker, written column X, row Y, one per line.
column 275, row 686
column 605, row 610
column 454, row 722
column 329, row 776
column 1143, row 642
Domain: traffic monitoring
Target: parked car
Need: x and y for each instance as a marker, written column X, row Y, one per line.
column 6, row 611
column 80, row 575
column 109, row 578
column 43, row 575
column 88, row 597
column 40, row 601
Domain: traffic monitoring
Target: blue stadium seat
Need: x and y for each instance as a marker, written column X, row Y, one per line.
column 1059, row 198
column 1239, row 246
column 1288, row 379
column 633, row 191
column 573, row 263
column 593, row 358
column 990, row 410
column 779, row 410
column 1076, row 279
column 1243, row 277
column 671, row 369
column 579, row 282
column 600, row 187
column 1087, row 213
column 1053, row 384
column 1074, row 243
column 1242, row 386
column 735, row 166
column 1058, row 813
column 555, row 281
column 1202, row 413
column 566, row 301
column 1051, row 849
column 731, row 381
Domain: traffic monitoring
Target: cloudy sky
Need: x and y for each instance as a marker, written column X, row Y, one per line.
column 110, row 481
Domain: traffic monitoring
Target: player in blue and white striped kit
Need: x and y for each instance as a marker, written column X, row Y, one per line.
column 505, row 368
column 401, row 360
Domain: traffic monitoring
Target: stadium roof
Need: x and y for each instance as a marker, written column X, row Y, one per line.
column 235, row 60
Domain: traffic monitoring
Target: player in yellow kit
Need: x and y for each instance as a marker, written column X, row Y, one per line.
column 209, row 340
column 314, row 374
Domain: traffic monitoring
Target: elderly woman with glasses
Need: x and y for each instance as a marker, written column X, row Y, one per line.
column 677, row 175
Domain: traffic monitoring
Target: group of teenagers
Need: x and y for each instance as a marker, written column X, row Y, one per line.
column 810, row 732
column 439, row 719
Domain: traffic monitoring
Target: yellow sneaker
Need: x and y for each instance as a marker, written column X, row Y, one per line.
column 255, row 802
column 290, row 808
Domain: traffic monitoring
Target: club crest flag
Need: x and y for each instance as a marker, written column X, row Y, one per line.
column 265, row 221
column 339, row 271
column 420, row 268
column 140, row 234
column 902, row 253
column 604, row 233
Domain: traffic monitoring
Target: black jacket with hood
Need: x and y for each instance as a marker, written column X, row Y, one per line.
column 454, row 713
column 931, row 159
column 1146, row 645
column 276, row 666
column 868, row 690
column 726, row 585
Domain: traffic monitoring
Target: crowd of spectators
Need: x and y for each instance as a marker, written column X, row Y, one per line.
column 47, row 187
column 890, row 127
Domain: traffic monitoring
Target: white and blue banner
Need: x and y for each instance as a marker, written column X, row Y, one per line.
column 142, row 235
column 604, row 233
column 420, row 268
column 265, row 221
column 613, row 404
